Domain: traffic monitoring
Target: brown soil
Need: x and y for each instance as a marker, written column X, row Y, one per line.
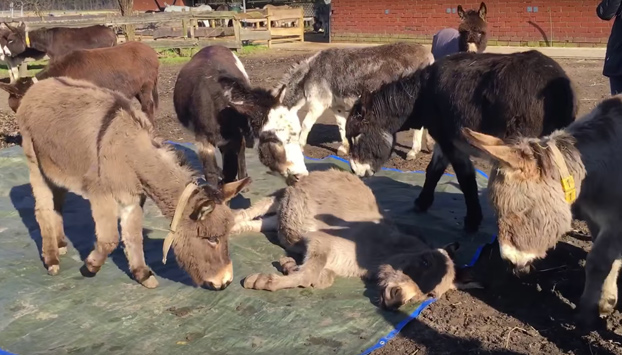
column 530, row 315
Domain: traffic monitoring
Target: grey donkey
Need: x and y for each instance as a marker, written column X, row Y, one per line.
column 541, row 182
column 332, row 218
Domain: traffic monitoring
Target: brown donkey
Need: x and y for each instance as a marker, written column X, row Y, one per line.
column 333, row 219
column 89, row 140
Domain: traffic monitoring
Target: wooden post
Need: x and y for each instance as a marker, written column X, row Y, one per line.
column 236, row 30
column 301, row 23
column 269, row 26
column 193, row 25
column 23, row 70
column 184, row 26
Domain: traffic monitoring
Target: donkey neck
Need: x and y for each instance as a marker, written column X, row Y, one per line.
column 38, row 39
column 399, row 100
column 163, row 179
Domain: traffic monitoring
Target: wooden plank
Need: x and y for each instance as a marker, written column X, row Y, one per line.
column 213, row 31
column 250, row 35
column 168, row 32
column 285, row 31
column 286, row 15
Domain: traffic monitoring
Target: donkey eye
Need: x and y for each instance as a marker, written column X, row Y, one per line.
column 212, row 240
column 11, row 41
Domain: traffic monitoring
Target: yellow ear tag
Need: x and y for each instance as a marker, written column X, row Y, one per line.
column 570, row 192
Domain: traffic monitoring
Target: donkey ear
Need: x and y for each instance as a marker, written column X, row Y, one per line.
column 203, row 210
column 366, row 100
column 281, row 94
column 11, row 89
column 482, row 11
column 461, row 12
column 500, row 152
column 451, row 249
column 231, row 189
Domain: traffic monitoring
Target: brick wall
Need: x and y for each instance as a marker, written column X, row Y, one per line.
column 560, row 22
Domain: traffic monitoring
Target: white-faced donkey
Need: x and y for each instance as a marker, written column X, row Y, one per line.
column 541, row 182
column 332, row 218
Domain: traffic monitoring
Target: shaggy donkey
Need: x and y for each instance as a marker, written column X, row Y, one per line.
column 469, row 37
column 213, row 98
column 88, row 140
column 504, row 95
column 130, row 68
column 541, row 182
column 332, row 78
column 332, row 218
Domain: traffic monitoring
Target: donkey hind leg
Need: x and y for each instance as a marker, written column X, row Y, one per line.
column 317, row 106
column 344, row 148
column 230, row 161
column 262, row 225
column 601, row 268
column 146, row 102
column 207, row 155
column 434, row 171
column 105, row 214
column 132, row 236
column 417, row 143
column 59, row 200
column 48, row 203
column 311, row 273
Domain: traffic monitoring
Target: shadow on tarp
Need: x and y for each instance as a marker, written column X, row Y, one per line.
column 201, row 321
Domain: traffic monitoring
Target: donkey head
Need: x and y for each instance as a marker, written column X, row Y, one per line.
column 13, row 39
column 413, row 277
column 201, row 238
column 370, row 142
column 473, row 29
column 16, row 91
column 279, row 147
column 527, row 193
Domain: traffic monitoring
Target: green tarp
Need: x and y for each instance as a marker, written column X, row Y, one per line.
column 112, row 314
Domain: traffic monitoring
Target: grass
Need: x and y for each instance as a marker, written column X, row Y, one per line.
column 166, row 56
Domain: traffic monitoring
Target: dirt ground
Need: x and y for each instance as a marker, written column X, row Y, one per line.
column 530, row 315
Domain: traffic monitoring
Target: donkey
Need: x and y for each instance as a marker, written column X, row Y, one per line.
column 471, row 35
column 130, row 68
column 332, row 218
column 58, row 41
column 540, row 183
column 332, row 78
column 504, row 95
column 213, row 98
column 88, row 140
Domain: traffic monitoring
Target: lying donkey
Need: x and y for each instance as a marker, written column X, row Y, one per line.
column 89, row 140
column 333, row 218
column 541, row 182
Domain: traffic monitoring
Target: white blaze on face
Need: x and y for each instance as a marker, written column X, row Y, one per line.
column 286, row 126
column 240, row 66
column 471, row 47
column 515, row 256
column 360, row 169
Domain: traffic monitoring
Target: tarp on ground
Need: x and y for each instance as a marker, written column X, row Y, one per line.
column 112, row 314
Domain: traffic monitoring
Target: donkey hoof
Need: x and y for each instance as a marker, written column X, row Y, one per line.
column 412, row 155
column 53, row 270
column 288, row 265
column 260, row 282
column 62, row 250
column 342, row 150
column 606, row 306
column 150, row 282
column 471, row 225
column 86, row 271
column 420, row 206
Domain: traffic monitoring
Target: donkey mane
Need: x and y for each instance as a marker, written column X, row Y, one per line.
column 295, row 75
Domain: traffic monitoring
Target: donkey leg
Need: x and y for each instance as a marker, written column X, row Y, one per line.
column 59, row 200
column 316, row 108
column 263, row 225
column 229, row 163
column 465, row 172
column 49, row 219
column 600, row 264
column 609, row 296
column 105, row 214
column 309, row 274
column 417, row 143
column 207, row 155
column 132, row 236
column 344, row 148
column 433, row 174
column 262, row 207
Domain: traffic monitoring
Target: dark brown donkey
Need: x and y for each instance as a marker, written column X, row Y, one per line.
column 473, row 29
column 214, row 99
column 88, row 140
column 57, row 42
column 130, row 68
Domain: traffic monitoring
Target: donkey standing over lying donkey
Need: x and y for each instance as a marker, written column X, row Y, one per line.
column 89, row 140
column 541, row 182
column 332, row 218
